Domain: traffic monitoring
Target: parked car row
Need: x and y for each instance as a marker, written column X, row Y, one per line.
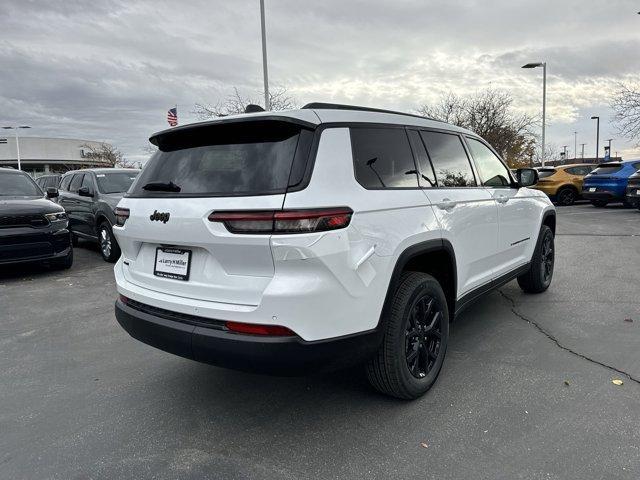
column 44, row 227
column 601, row 184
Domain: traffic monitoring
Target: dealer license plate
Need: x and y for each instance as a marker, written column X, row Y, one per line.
column 172, row 263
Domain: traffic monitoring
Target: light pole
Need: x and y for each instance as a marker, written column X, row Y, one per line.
column 267, row 101
column 609, row 146
column 544, row 99
column 583, row 144
column 564, row 153
column 575, row 145
column 597, row 119
column 16, row 128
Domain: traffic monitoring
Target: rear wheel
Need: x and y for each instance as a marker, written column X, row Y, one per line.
column 416, row 333
column 599, row 203
column 109, row 248
column 566, row 196
column 538, row 277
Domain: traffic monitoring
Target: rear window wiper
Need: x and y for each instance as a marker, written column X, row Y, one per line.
column 161, row 187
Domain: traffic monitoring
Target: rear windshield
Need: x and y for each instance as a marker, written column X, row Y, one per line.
column 117, row 182
column 546, row 173
column 252, row 158
column 606, row 169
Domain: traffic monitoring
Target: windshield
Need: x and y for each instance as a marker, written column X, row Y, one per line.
column 245, row 159
column 116, row 182
column 18, row 185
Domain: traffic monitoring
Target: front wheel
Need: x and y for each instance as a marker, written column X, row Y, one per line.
column 538, row 277
column 109, row 248
column 416, row 333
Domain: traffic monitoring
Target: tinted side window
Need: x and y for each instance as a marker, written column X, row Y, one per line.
column 86, row 182
column 64, row 184
column 636, row 165
column 76, row 182
column 382, row 158
column 449, row 159
column 426, row 176
column 492, row 171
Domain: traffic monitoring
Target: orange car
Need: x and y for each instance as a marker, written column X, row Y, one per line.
column 563, row 183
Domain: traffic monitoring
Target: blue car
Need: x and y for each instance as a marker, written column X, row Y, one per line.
column 608, row 182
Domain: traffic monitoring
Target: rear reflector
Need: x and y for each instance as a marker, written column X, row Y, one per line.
column 255, row 329
column 284, row 221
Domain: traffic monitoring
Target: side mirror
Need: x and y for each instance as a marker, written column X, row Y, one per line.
column 52, row 192
column 85, row 192
column 526, row 177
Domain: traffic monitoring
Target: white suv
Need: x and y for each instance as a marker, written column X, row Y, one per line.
column 315, row 238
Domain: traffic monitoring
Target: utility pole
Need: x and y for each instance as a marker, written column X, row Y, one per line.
column 575, row 145
column 267, row 100
column 564, row 153
column 582, row 155
column 597, row 119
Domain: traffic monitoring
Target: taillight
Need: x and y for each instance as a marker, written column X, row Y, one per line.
column 121, row 215
column 255, row 329
column 284, row 221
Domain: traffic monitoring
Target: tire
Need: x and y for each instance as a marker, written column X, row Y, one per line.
column 599, row 203
column 64, row 263
column 74, row 240
column 540, row 273
column 566, row 196
column 109, row 248
column 415, row 338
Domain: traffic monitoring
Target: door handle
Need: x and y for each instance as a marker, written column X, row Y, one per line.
column 446, row 204
column 502, row 199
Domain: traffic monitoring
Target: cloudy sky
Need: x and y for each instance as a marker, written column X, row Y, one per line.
column 110, row 69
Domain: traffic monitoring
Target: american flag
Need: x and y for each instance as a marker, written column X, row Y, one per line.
column 172, row 116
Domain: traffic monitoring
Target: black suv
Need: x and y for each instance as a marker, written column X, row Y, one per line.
column 32, row 228
column 89, row 198
column 46, row 181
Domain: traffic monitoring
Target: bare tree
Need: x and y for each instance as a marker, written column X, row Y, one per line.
column 489, row 114
column 626, row 104
column 108, row 154
column 236, row 103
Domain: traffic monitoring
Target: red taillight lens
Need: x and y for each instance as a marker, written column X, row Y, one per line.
column 284, row 221
column 121, row 215
column 255, row 329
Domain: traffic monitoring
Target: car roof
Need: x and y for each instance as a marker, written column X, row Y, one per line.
column 103, row 170
column 577, row 165
column 313, row 115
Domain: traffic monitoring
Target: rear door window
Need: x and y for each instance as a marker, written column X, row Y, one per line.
column 449, row 159
column 117, row 182
column 64, row 184
column 426, row 176
column 546, row 172
column 382, row 158
column 238, row 159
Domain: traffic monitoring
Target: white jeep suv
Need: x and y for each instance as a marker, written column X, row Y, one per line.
column 316, row 238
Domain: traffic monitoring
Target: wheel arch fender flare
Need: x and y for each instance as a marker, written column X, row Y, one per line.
column 411, row 252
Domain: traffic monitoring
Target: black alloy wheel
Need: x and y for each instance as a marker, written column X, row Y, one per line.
column 423, row 336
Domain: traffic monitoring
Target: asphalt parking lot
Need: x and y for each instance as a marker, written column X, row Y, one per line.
column 526, row 391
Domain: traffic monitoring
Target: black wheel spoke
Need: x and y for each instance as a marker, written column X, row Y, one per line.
column 423, row 336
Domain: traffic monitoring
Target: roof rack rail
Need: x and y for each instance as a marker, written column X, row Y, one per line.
column 339, row 106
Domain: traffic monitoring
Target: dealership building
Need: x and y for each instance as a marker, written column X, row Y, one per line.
column 41, row 155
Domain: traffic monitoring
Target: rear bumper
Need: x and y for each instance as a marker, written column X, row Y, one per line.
column 25, row 244
column 601, row 195
column 217, row 346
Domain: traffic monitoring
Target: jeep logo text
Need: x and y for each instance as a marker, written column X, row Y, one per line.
column 159, row 216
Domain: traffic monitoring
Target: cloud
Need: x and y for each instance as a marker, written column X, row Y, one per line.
column 110, row 69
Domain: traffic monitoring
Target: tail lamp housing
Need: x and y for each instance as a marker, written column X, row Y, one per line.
column 121, row 215
column 284, row 221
